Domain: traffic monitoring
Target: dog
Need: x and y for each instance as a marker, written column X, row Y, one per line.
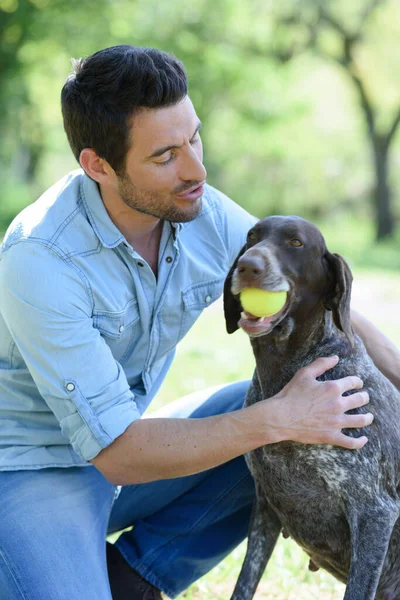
column 341, row 506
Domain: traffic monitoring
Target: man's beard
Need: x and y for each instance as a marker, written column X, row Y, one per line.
column 156, row 205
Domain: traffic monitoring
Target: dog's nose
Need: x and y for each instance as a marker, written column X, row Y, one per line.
column 250, row 267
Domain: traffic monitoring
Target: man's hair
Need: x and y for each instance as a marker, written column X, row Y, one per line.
column 105, row 91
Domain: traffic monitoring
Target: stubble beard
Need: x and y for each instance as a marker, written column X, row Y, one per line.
column 154, row 204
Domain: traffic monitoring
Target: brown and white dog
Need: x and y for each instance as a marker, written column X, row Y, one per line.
column 341, row 506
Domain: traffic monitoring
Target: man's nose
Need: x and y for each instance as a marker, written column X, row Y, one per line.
column 192, row 168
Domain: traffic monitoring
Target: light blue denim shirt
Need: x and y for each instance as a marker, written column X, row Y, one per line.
column 87, row 333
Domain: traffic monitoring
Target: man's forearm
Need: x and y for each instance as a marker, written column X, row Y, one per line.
column 152, row 449
column 382, row 351
column 306, row 410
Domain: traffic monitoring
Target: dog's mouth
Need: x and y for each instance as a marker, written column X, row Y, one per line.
column 258, row 326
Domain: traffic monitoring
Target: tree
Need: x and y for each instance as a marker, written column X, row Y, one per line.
column 335, row 34
column 15, row 20
column 265, row 141
column 32, row 31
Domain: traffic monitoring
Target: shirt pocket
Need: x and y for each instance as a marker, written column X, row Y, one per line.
column 195, row 299
column 119, row 329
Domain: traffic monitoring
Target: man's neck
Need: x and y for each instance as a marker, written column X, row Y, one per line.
column 141, row 231
column 148, row 245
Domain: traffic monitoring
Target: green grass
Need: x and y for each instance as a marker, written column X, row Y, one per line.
column 287, row 578
column 208, row 356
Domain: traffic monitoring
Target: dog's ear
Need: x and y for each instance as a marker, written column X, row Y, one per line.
column 232, row 306
column 338, row 295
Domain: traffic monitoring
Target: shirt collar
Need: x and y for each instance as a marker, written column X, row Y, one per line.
column 107, row 232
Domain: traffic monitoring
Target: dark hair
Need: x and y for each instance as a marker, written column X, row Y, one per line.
column 105, row 90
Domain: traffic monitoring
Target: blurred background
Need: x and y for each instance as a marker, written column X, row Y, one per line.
column 300, row 103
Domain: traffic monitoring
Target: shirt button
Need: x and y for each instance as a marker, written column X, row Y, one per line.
column 121, row 328
column 70, row 387
column 169, row 259
column 140, row 264
column 207, row 299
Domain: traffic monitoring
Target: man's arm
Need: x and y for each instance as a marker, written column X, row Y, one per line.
column 48, row 312
column 382, row 351
column 306, row 410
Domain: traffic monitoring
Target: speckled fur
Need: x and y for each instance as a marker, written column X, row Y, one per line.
column 341, row 506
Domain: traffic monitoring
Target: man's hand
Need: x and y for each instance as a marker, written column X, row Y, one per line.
column 313, row 412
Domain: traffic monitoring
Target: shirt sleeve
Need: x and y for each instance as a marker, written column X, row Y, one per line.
column 47, row 306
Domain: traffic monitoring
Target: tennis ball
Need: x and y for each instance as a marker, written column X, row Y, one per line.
column 262, row 303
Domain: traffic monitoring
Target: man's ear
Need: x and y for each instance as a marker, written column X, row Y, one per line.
column 97, row 168
column 338, row 295
column 232, row 306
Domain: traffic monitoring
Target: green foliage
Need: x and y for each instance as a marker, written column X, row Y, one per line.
column 354, row 239
column 15, row 197
column 279, row 136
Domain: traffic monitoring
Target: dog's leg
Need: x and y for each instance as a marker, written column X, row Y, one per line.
column 371, row 530
column 263, row 533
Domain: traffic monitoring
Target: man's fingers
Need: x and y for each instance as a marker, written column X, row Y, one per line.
column 352, row 382
column 355, row 400
column 320, row 365
column 361, row 420
column 350, row 443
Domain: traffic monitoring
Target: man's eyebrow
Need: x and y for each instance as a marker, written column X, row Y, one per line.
column 161, row 151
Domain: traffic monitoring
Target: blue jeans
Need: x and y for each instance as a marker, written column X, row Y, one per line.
column 54, row 522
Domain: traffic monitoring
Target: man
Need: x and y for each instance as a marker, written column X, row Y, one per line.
column 99, row 280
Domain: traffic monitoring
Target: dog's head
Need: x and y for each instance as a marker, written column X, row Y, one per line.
column 288, row 254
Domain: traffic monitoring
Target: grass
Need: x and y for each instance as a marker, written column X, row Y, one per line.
column 286, row 578
column 208, row 356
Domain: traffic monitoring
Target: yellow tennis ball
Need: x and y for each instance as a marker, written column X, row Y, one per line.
column 262, row 303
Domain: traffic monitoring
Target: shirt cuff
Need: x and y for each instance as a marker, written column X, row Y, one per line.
column 88, row 437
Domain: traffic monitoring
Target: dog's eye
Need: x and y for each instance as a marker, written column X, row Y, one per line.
column 295, row 242
column 252, row 236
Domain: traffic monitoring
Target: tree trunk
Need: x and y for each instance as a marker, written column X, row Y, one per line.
column 382, row 194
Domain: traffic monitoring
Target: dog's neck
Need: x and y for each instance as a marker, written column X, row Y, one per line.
column 293, row 344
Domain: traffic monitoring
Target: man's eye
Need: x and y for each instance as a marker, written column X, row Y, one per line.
column 296, row 243
column 195, row 139
column 165, row 162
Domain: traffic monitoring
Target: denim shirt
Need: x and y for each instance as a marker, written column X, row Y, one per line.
column 87, row 332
